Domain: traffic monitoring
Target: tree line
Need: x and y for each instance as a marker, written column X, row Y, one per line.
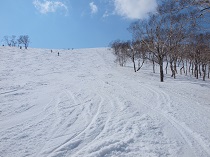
column 13, row 41
column 177, row 35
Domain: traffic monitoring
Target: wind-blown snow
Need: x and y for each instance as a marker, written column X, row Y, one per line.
column 81, row 104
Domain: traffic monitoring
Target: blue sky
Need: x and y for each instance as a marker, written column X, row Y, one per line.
column 71, row 23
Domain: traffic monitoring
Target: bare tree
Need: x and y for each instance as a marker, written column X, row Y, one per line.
column 13, row 41
column 120, row 51
column 7, row 40
column 152, row 34
column 205, row 4
column 138, row 53
column 176, row 34
column 24, row 39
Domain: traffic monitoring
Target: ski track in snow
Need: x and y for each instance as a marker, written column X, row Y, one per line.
column 196, row 145
column 82, row 104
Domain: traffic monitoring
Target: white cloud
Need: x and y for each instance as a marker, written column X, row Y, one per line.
column 48, row 6
column 106, row 14
column 93, row 7
column 134, row 9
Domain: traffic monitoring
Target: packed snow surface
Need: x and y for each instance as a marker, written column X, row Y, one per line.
column 82, row 104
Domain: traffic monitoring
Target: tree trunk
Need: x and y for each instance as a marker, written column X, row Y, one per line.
column 161, row 70
column 181, row 70
column 186, row 67
column 166, row 67
column 196, row 71
column 200, row 70
column 183, row 66
column 175, row 70
column 172, row 69
column 192, row 68
column 153, row 63
column 140, row 66
column 134, row 64
column 204, row 71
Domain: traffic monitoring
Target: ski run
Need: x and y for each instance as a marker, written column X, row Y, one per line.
column 82, row 104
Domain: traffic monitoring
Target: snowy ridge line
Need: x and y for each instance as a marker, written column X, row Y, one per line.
column 185, row 131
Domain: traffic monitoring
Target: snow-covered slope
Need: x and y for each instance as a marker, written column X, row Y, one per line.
column 81, row 104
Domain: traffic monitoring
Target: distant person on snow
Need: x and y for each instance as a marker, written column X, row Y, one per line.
column 51, row 51
column 58, row 53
